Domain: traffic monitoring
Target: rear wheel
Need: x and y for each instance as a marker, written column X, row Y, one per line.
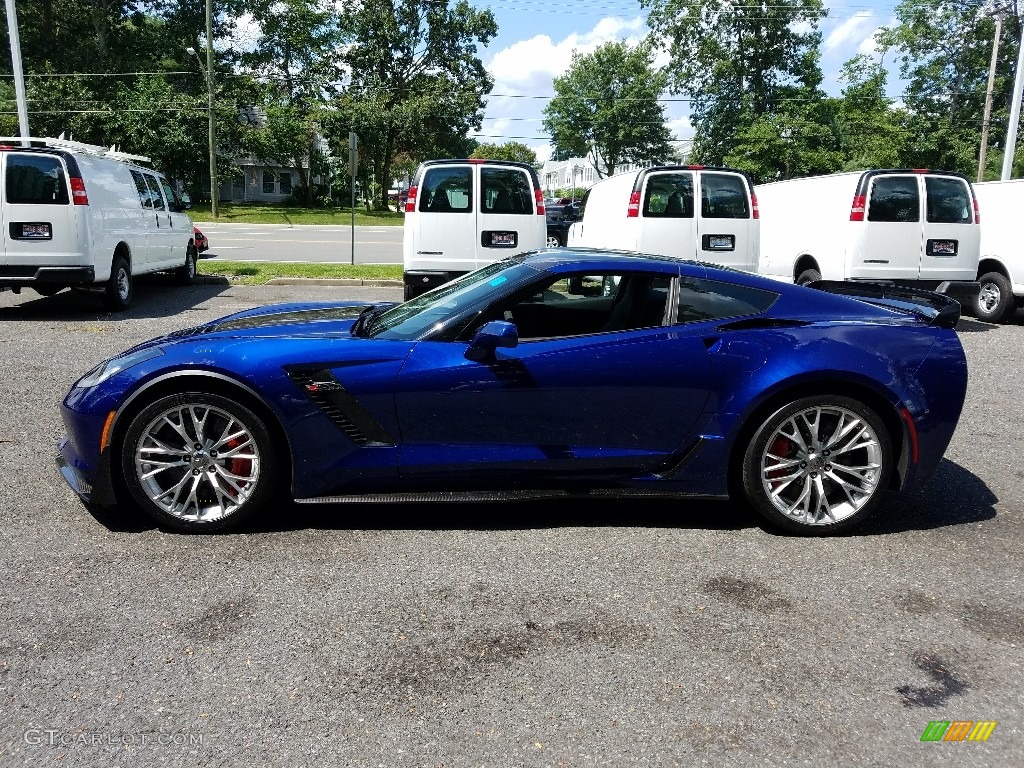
column 554, row 242
column 808, row 276
column 117, row 294
column 186, row 274
column 818, row 465
column 199, row 462
column 995, row 302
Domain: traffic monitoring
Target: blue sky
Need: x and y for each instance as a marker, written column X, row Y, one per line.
column 536, row 39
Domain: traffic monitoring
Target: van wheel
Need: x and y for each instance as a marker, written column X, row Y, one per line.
column 808, row 276
column 186, row 274
column 995, row 302
column 118, row 293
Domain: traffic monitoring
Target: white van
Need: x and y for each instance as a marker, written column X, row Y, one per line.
column 914, row 228
column 463, row 214
column 656, row 210
column 84, row 216
column 1001, row 269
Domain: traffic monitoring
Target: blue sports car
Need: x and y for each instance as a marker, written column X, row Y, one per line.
column 561, row 372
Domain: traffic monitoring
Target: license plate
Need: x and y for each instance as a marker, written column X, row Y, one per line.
column 503, row 239
column 944, row 247
column 720, row 242
column 36, row 231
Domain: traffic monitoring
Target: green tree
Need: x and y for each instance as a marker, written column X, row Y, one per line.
column 510, row 150
column 872, row 132
column 943, row 49
column 738, row 62
column 607, row 105
column 417, row 82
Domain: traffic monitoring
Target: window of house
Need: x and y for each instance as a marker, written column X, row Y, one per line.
column 286, row 183
column 269, row 185
column 38, row 180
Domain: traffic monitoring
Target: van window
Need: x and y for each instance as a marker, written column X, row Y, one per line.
column 447, row 190
column 949, row 202
column 894, row 198
column 505, row 190
column 669, row 195
column 145, row 196
column 723, row 196
column 154, row 193
column 172, row 199
column 36, row 180
column 712, row 299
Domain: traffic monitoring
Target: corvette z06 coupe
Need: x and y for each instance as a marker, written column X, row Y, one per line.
column 560, row 372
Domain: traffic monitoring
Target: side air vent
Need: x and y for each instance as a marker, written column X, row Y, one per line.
column 340, row 407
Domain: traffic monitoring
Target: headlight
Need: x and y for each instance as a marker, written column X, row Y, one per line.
column 108, row 368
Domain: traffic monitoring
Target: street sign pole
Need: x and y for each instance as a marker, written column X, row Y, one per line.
column 353, row 161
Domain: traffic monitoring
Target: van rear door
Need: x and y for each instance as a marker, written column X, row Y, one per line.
column 951, row 243
column 667, row 222
column 38, row 220
column 506, row 219
column 727, row 232
column 890, row 243
column 445, row 220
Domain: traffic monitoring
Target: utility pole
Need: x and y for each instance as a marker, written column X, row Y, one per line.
column 988, row 97
column 19, row 75
column 212, row 126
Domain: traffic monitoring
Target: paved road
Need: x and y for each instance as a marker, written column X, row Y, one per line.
column 307, row 243
column 517, row 634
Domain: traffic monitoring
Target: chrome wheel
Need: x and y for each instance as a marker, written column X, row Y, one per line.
column 989, row 297
column 821, row 465
column 124, row 285
column 197, row 462
column 553, row 242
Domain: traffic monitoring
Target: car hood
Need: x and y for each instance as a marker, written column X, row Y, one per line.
column 279, row 321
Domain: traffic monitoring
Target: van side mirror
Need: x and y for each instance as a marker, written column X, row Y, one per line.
column 496, row 333
column 185, row 202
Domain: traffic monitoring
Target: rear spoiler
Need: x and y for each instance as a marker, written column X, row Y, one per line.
column 938, row 309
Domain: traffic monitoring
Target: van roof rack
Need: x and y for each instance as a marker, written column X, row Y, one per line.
column 76, row 146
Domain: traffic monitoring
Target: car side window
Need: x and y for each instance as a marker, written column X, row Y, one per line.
column 669, row 195
column 949, row 201
column 701, row 299
column 145, row 196
column 36, row 180
column 723, row 196
column 505, row 190
column 447, row 190
column 172, row 199
column 894, row 198
column 154, row 193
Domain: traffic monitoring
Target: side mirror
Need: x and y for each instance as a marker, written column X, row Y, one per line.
column 496, row 333
column 185, row 202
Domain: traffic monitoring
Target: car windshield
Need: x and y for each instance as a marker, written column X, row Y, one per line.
column 432, row 311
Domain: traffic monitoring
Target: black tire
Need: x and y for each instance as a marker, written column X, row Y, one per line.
column 779, row 473
column 186, row 274
column 117, row 296
column 995, row 302
column 409, row 293
column 230, row 480
column 808, row 276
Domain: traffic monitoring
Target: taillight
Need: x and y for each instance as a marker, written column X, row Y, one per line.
column 753, row 206
column 634, row 205
column 78, row 193
column 977, row 213
column 410, row 201
column 538, row 195
column 857, row 209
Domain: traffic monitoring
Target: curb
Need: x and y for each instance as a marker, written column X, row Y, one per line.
column 333, row 281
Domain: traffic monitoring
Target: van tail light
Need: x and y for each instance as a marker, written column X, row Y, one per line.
column 754, row 210
column 634, row 205
column 410, row 201
column 977, row 213
column 857, row 209
column 538, row 195
column 78, row 193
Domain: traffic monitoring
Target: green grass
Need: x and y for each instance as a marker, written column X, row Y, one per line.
column 268, row 213
column 249, row 273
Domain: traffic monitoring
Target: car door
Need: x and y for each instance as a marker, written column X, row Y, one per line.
column 726, row 231
column 667, row 223
column 179, row 226
column 951, row 236
column 445, row 236
column 590, row 405
column 38, row 215
column 891, row 241
column 161, row 241
column 506, row 219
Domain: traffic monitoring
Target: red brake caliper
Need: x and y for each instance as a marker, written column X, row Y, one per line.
column 780, row 447
column 240, row 467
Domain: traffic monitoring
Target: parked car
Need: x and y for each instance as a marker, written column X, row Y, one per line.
column 559, row 219
column 85, row 216
column 1001, row 264
column 507, row 383
column 202, row 244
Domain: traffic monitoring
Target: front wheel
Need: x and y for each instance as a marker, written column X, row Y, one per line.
column 995, row 302
column 554, row 242
column 186, row 274
column 818, row 465
column 198, row 462
column 117, row 294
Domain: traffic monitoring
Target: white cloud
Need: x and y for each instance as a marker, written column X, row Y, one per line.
column 680, row 128
column 849, row 30
column 869, row 45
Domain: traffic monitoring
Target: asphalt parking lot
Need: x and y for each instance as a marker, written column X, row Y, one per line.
column 591, row 634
